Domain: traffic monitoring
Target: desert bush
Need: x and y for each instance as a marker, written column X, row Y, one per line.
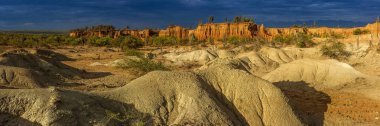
column 144, row 65
column 133, row 52
column 335, row 50
column 47, row 40
column 301, row 40
column 284, row 40
column 210, row 41
column 360, row 31
column 77, row 41
column 236, row 40
column 131, row 42
column 336, row 35
column 164, row 41
column 104, row 41
column 192, row 39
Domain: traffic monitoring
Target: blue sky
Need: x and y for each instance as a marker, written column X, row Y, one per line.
column 68, row 14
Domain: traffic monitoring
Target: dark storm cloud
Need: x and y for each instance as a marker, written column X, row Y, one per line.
column 66, row 14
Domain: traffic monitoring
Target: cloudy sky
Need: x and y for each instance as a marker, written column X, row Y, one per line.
column 68, row 14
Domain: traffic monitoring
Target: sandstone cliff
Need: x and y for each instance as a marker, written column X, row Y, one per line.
column 175, row 31
column 223, row 30
column 323, row 31
column 374, row 28
column 218, row 31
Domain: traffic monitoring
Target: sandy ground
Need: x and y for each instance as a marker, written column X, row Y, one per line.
column 316, row 107
column 313, row 106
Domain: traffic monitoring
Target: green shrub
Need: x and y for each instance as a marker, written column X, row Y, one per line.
column 360, row 31
column 304, row 40
column 284, row 40
column 144, row 65
column 77, row 41
column 133, row 52
column 104, row 41
column 301, row 40
column 336, row 35
column 234, row 40
column 164, row 41
column 192, row 39
column 335, row 50
column 131, row 42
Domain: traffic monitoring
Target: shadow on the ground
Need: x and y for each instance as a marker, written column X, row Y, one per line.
column 48, row 65
column 73, row 108
column 308, row 103
column 11, row 120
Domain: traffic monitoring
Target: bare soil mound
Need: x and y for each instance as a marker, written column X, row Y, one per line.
column 35, row 60
column 64, row 108
column 44, row 65
column 268, row 59
column 368, row 63
column 329, row 73
column 13, row 77
column 218, row 95
column 200, row 57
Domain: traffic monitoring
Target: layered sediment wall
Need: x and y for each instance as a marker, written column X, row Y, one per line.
column 220, row 31
column 223, row 30
column 175, row 31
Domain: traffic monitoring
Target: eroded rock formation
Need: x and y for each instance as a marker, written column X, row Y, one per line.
column 175, row 31
column 224, row 30
column 218, row 31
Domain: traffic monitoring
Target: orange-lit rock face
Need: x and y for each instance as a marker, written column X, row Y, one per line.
column 175, row 31
column 374, row 28
column 223, row 30
column 219, row 31
column 216, row 31
column 323, row 31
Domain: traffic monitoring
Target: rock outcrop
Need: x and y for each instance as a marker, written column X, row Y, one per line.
column 216, row 31
column 175, row 31
column 32, row 68
column 219, row 31
column 374, row 28
column 323, row 31
column 14, row 77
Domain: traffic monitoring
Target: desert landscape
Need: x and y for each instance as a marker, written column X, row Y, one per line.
column 189, row 63
column 234, row 73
